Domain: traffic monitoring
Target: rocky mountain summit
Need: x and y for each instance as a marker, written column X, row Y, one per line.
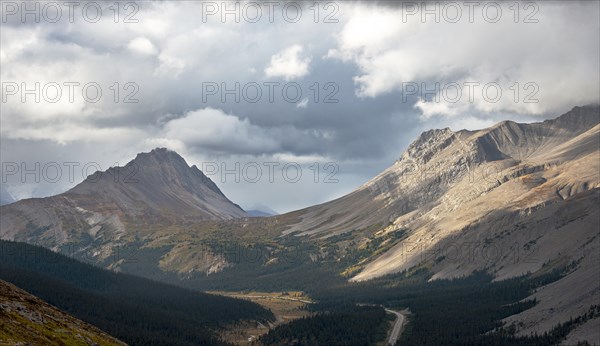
column 445, row 169
column 157, row 183
column 156, row 189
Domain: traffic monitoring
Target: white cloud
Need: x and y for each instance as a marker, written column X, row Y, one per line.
column 213, row 129
column 15, row 41
column 215, row 132
column 289, row 64
column 430, row 109
column 368, row 30
column 173, row 144
column 556, row 54
column 143, row 46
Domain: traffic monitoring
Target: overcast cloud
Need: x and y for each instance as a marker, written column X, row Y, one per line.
column 358, row 107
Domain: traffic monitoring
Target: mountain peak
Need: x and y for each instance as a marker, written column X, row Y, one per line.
column 428, row 144
column 578, row 119
column 163, row 153
column 526, row 140
column 160, row 156
column 156, row 182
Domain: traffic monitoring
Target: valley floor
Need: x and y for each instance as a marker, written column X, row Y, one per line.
column 286, row 306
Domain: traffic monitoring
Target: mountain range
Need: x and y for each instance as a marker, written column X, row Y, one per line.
column 511, row 200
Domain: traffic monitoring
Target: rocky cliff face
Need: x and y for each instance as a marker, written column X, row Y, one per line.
column 444, row 169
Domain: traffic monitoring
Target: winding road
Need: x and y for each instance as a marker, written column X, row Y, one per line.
column 400, row 320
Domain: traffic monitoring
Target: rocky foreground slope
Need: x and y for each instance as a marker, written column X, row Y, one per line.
column 27, row 320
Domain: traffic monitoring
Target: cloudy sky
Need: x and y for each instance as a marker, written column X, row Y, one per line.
column 335, row 90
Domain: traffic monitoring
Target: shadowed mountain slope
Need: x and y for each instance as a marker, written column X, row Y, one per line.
column 28, row 320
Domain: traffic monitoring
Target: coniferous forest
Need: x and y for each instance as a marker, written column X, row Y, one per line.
column 466, row 311
column 357, row 325
column 135, row 310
